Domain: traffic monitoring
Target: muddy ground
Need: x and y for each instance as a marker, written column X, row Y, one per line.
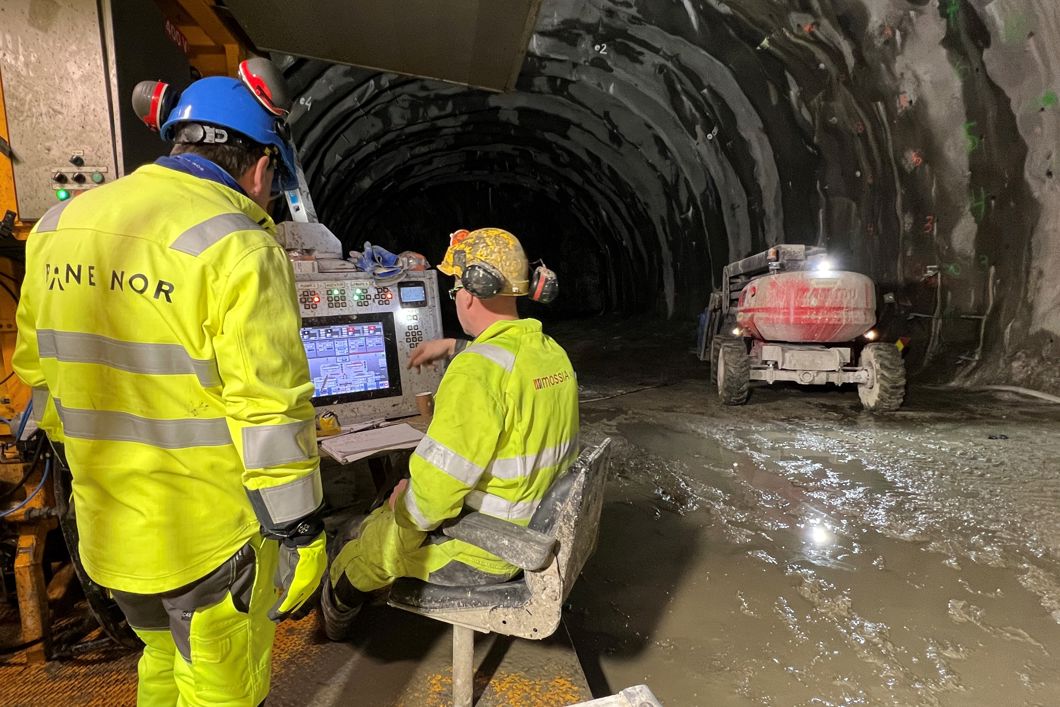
column 800, row 551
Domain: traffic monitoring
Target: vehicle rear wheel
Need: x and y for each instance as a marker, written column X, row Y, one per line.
column 715, row 348
column 734, row 373
column 887, row 369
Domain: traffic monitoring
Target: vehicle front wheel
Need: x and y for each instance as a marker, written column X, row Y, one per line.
column 887, row 370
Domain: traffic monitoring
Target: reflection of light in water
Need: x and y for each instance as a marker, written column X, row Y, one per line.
column 822, row 545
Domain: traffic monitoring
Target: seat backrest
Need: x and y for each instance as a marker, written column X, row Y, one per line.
column 570, row 512
column 544, row 518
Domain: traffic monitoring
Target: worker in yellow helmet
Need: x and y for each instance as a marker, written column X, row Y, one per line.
column 158, row 327
column 505, row 427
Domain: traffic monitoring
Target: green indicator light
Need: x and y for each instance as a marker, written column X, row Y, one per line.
column 62, row 194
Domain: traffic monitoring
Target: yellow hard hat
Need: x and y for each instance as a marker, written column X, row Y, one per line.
column 501, row 264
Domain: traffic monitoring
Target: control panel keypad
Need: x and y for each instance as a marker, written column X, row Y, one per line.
column 309, row 299
column 336, row 297
column 383, row 297
column 413, row 336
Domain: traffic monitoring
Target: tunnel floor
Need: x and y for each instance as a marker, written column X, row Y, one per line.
column 798, row 550
column 795, row 550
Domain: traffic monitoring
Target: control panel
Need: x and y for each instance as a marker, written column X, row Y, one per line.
column 359, row 336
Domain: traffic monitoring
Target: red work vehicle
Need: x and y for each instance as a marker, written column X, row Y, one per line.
column 787, row 315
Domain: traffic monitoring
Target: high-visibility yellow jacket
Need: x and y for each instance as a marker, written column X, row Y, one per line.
column 505, row 426
column 158, row 327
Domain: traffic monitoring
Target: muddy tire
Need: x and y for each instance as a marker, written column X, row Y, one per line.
column 885, row 363
column 715, row 348
column 734, row 373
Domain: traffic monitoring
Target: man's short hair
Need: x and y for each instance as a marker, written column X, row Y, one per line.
column 235, row 157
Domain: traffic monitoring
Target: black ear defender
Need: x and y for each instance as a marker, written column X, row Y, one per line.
column 482, row 280
column 544, row 284
column 152, row 101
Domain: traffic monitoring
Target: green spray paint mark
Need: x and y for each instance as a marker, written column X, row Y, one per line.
column 1049, row 99
column 972, row 141
column 953, row 11
column 977, row 204
column 961, row 68
column 952, row 269
column 984, row 262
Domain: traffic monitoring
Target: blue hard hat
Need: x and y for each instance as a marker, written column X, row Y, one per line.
column 227, row 103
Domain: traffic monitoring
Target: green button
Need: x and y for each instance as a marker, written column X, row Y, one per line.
column 97, row 178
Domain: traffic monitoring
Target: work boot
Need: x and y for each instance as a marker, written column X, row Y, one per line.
column 338, row 617
column 339, row 607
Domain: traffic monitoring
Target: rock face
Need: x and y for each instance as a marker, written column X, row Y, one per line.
column 651, row 141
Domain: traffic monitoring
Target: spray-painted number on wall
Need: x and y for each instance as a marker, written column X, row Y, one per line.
column 601, row 48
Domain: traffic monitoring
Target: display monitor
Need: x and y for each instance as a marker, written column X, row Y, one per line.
column 352, row 357
column 412, row 294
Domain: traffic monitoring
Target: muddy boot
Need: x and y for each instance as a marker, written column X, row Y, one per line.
column 338, row 616
column 340, row 605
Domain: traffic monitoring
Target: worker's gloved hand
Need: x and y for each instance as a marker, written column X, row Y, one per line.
column 303, row 559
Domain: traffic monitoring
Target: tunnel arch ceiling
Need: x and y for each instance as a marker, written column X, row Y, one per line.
column 648, row 143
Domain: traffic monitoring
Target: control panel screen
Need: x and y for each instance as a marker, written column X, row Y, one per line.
column 412, row 294
column 352, row 358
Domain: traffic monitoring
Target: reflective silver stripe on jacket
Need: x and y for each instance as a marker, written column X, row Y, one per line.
column 40, row 402
column 108, row 425
column 200, row 237
column 520, row 467
column 154, row 359
column 496, row 506
column 417, row 515
column 272, row 445
column 295, row 499
column 501, row 356
column 50, row 220
column 437, row 454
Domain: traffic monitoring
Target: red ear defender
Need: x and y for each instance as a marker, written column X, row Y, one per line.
column 152, row 101
column 544, row 285
column 266, row 83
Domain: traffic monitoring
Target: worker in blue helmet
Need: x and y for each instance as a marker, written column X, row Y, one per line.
column 176, row 383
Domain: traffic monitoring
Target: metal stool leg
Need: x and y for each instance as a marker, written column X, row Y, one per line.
column 463, row 666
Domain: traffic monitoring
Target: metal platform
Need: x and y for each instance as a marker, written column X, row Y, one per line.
column 397, row 659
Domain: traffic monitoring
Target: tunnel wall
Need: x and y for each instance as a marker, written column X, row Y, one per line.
column 650, row 142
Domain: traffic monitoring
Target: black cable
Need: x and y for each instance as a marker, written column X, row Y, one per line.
column 8, row 650
column 7, row 378
column 29, row 470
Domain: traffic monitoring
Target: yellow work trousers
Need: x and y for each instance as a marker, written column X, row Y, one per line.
column 209, row 643
column 383, row 551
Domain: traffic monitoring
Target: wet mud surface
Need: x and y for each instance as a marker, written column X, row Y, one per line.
column 798, row 550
